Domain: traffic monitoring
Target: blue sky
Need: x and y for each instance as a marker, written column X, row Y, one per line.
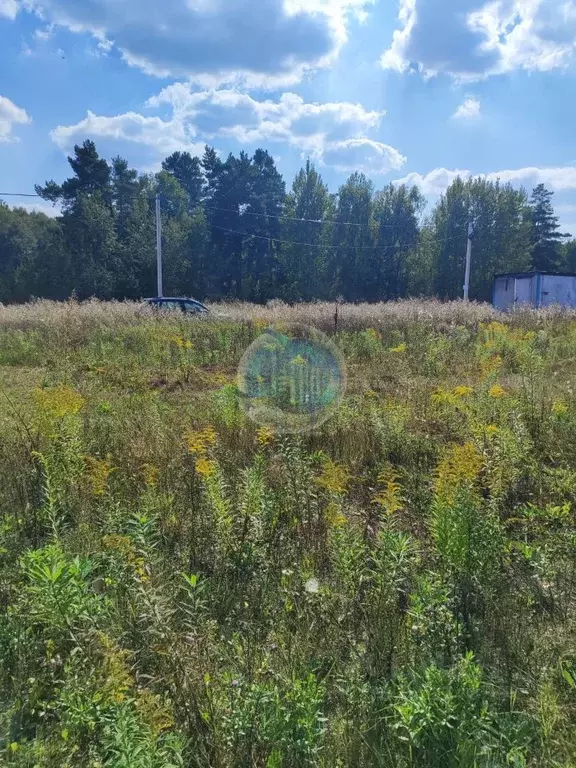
column 414, row 90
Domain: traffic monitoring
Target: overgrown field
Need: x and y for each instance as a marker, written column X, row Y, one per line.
column 179, row 587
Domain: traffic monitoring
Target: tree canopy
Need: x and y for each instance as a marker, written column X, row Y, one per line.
column 231, row 230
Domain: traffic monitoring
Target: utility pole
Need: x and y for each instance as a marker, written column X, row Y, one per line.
column 468, row 260
column 159, row 246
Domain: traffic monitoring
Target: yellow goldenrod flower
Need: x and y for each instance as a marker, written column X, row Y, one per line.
column 265, row 435
column 459, row 467
column 491, row 365
column 496, row 391
column 463, row 391
column 335, row 478
column 559, row 406
column 97, row 473
column 205, row 467
column 399, row 349
column 150, row 475
column 199, row 442
column 334, row 515
column 59, row 401
column 389, row 496
column 491, row 429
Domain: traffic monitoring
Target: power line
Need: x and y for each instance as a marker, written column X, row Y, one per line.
column 240, row 213
column 294, row 218
column 335, row 222
column 321, row 245
column 17, row 194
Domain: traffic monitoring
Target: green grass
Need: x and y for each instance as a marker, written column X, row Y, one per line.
column 179, row 587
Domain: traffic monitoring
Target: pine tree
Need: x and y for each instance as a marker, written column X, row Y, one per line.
column 545, row 236
column 304, row 266
column 187, row 171
column 91, row 176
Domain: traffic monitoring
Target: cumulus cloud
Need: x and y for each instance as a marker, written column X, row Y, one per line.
column 41, row 207
column 468, row 110
column 163, row 136
column 433, row 183
column 471, row 39
column 214, row 41
column 10, row 115
column 437, row 181
column 231, row 114
column 365, row 155
column 8, row 8
column 333, row 133
column 558, row 178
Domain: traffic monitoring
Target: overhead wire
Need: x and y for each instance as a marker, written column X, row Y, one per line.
column 282, row 217
column 276, row 239
column 294, row 218
column 322, row 245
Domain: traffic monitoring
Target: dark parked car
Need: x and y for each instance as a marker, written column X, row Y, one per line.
column 188, row 306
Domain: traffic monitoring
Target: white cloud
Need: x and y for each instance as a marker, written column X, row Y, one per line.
column 42, row 34
column 9, row 8
column 482, row 38
column 333, row 133
column 433, row 183
column 264, row 42
column 395, row 57
column 9, row 115
column 41, row 207
column 162, row 136
column 468, row 110
column 231, row 114
column 364, row 155
column 437, row 181
column 558, row 178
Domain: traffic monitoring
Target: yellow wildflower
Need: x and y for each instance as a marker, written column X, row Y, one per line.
column 299, row 360
column 97, row 473
column 491, row 429
column 154, row 711
column 370, row 393
column 125, row 546
column 265, row 435
column 59, row 401
column 389, row 496
column 559, row 406
column 491, row 365
column 459, row 467
column 334, row 515
column 199, row 442
column 441, row 396
column 150, row 473
column 496, row 391
column 463, row 391
column 335, row 478
column 205, row 467
column 399, row 349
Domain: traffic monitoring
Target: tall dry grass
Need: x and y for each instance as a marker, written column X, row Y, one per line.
column 92, row 315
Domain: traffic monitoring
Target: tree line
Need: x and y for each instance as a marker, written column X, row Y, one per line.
column 231, row 230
